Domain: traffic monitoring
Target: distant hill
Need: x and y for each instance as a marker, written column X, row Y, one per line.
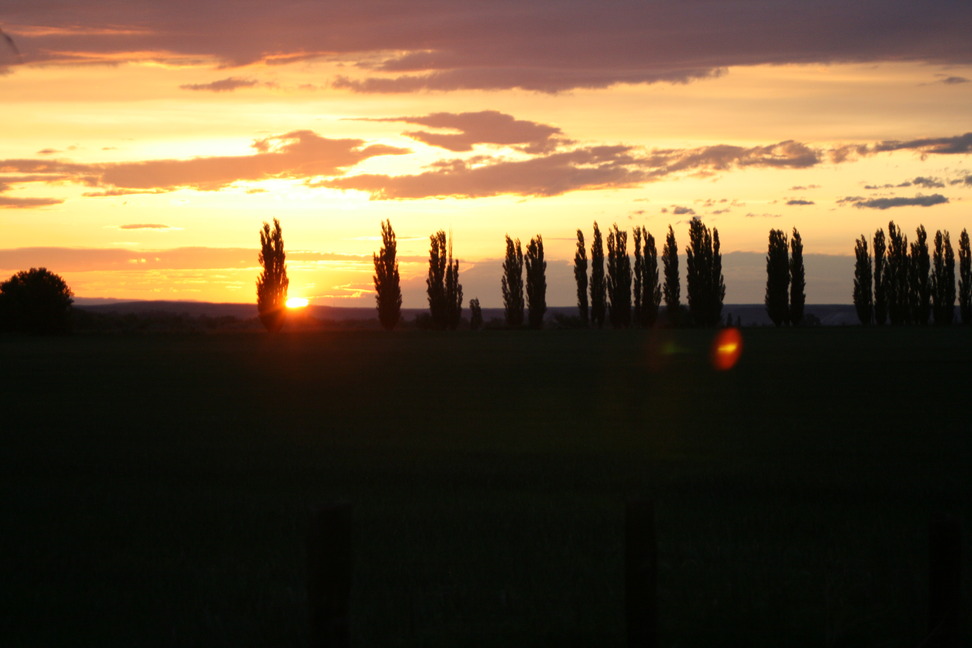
column 748, row 314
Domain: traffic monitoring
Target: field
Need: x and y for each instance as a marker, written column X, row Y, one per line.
column 155, row 489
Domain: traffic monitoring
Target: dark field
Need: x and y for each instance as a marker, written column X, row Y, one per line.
column 154, row 490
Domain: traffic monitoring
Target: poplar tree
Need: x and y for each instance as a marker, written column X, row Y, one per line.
column 919, row 280
column 639, row 271
column 896, row 276
column 706, row 285
column 619, row 278
column 798, row 280
column 880, row 285
column 536, row 269
column 598, row 287
column 436, row 281
column 272, row 283
column 475, row 315
column 513, row 283
column 580, row 275
column 777, row 278
column 943, row 280
column 863, row 295
column 650, row 286
column 672, row 287
column 453, row 291
column 965, row 278
column 387, row 279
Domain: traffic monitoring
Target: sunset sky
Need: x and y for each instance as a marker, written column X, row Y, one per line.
column 144, row 143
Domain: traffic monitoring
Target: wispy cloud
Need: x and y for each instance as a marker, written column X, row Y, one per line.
column 484, row 127
column 897, row 201
column 223, row 85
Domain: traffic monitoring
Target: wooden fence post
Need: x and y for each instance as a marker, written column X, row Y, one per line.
column 329, row 575
column 944, row 581
column 640, row 574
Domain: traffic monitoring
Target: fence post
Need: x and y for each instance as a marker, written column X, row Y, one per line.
column 640, row 574
column 329, row 575
column 944, row 581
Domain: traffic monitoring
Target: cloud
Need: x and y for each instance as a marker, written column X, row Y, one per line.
column 484, row 127
column 957, row 145
column 542, row 45
column 223, row 85
column 7, row 202
column 954, row 80
column 888, row 203
column 799, row 202
column 138, row 226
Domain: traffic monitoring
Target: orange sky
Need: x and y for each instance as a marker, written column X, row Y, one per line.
column 143, row 144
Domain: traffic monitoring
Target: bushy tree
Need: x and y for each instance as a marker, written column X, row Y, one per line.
column 896, row 276
column 863, row 295
column 387, row 279
column 580, row 276
column 672, row 288
column 513, row 283
column 35, row 301
column 777, row 278
column 536, row 270
column 943, row 280
column 272, row 283
column 798, row 279
column 965, row 278
column 619, row 278
column 919, row 278
column 706, row 285
column 880, row 284
column 598, row 284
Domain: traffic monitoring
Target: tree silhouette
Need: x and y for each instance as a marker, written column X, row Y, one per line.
column 272, row 283
column 453, row 291
column 965, row 278
column 919, row 266
column 896, row 276
column 650, row 287
column 706, row 285
column 619, row 278
column 387, row 280
column 880, row 287
column 435, row 283
column 798, row 280
column 513, row 283
column 536, row 269
column 777, row 278
column 35, row 301
column 598, row 285
column 943, row 280
column 639, row 271
column 672, row 287
column 863, row 295
column 580, row 275
column 475, row 315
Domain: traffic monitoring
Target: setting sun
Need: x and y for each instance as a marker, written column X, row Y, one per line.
column 297, row 302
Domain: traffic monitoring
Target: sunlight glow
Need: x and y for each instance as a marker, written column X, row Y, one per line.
column 297, row 302
column 726, row 349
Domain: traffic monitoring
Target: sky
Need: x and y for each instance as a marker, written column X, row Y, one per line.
column 144, row 143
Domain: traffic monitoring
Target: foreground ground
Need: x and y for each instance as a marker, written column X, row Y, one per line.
column 155, row 488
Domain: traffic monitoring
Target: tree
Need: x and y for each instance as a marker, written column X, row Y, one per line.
column 863, row 296
column 919, row 280
column 598, row 285
column 436, row 281
column 619, row 278
column 453, row 291
column 965, row 278
column 777, row 278
column 880, row 287
column 798, row 280
column 650, row 287
column 672, row 287
column 513, row 283
column 943, row 280
column 639, row 271
column 706, row 285
column 475, row 315
column 272, row 283
column 896, row 276
column 387, row 279
column 536, row 270
column 35, row 301
column 580, row 275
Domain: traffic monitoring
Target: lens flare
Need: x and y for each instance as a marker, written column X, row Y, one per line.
column 297, row 302
column 726, row 349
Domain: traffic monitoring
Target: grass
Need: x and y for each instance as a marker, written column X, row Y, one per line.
column 155, row 488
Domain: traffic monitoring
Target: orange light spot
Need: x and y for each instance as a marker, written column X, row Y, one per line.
column 297, row 302
column 726, row 349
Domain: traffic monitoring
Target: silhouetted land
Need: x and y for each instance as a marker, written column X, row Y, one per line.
column 155, row 489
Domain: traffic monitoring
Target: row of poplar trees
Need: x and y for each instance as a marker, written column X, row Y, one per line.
column 607, row 296
column 785, row 278
column 904, row 284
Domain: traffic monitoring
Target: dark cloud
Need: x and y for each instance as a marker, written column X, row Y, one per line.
column 799, row 202
column 899, row 201
column 954, row 80
column 223, row 85
column 678, row 210
column 545, row 45
column 957, row 145
column 485, row 127
column 8, row 202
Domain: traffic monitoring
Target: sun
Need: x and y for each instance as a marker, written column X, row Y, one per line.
column 297, row 302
